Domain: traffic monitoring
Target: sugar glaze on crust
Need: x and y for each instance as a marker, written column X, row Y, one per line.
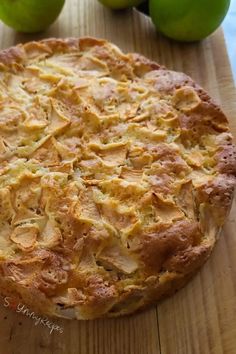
column 116, row 176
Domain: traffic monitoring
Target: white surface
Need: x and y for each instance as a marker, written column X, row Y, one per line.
column 229, row 26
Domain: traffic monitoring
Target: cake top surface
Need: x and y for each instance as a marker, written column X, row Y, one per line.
column 114, row 172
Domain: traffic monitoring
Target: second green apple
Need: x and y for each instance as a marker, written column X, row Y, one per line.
column 188, row 20
column 120, row 4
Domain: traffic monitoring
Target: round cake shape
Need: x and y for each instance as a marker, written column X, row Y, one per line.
column 116, row 178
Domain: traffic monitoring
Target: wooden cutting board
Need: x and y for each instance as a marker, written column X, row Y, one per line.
column 201, row 318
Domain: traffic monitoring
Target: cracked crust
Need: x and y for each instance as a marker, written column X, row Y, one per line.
column 116, row 177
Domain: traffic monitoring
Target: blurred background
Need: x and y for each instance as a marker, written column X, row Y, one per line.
column 229, row 26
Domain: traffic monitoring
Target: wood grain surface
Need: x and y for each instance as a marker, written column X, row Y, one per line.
column 199, row 319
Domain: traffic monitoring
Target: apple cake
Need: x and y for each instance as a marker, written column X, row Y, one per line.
column 116, row 177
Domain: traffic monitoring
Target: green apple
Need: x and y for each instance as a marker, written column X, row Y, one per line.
column 120, row 4
column 188, row 20
column 30, row 15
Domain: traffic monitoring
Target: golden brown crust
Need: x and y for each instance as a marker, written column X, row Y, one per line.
column 167, row 245
column 116, row 176
column 226, row 157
